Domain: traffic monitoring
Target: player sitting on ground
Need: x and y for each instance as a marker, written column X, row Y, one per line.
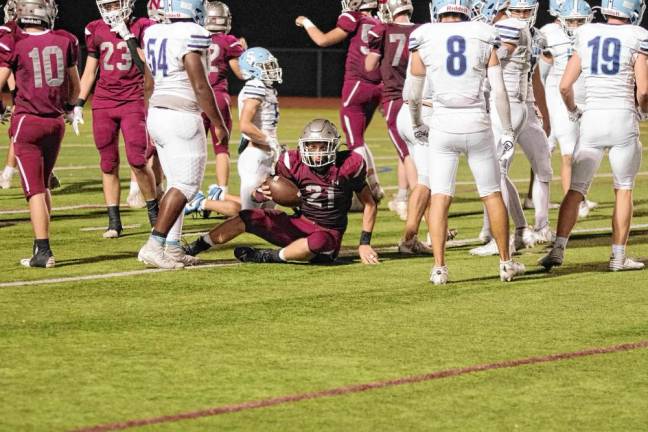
column 327, row 180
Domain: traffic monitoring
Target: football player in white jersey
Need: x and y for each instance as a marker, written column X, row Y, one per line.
column 612, row 58
column 512, row 20
column 559, row 48
column 457, row 55
column 176, row 54
column 258, row 119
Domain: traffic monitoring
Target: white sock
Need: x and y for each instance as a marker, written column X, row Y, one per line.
column 225, row 192
column 175, row 234
column 515, row 206
column 541, row 203
column 561, row 242
column 8, row 172
column 282, row 254
column 134, row 187
column 618, row 251
column 401, row 195
column 486, row 222
column 208, row 240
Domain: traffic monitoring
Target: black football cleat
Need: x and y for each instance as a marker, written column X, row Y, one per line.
column 54, row 182
column 41, row 258
column 198, row 246
column 250, row 254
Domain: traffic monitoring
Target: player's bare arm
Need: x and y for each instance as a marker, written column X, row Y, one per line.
column 572, row 72
column 88, row 77
column 247, row 126
column 75, row 83
column 5, row 73
column 367, row 254
column 236, row 68
column 541, row 100
column 417, row 81
column 641, row 80
column 193, row 64
column 372, row 61
column 320, row 38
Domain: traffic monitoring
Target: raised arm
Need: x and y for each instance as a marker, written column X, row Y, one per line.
column 320, row 38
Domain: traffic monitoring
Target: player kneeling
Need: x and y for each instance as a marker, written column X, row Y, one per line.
column 327, row 180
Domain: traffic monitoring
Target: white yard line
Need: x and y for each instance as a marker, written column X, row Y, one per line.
column 103, row 228
column 350, row 252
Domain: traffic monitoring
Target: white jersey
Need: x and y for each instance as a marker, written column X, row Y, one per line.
column 517, row 66
column 267, row 116
column 456, row 57
column 608, row 54
column 165, row 46
column 561, row 47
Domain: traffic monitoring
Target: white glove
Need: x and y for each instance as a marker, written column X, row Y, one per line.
column 122, row 30
column 77, row 119
column 421, row 134
column 506, row 146
column 575, row 115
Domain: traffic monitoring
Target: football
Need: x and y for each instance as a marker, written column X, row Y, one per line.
column 284, row 192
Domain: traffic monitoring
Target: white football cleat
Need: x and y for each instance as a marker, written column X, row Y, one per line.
column 5, row 183
column 524, row 239
column 545, row 235
column 591, row 204
column 135, row 199
column 489, row 249
column 111, row 233
column 624, row 264
column 439, row 275
column 554, row 258
column 583, row 210
column 152, row 253
column 413, row 247
column 178, row 254
column 509, row 270
column 485, row 236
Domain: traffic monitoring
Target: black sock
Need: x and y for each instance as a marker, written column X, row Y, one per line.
column 159, row 234
column 153, row 208
column 114, row 218
column 41, row 246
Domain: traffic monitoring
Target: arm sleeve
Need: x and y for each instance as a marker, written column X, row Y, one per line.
column 358, row 176
column 643, row 47
column 198, row 40
column 234, row 49
column 282, row 167
column 6, row 50
column 347, row 22
column 508, row 34
column 253, row 89
column 496, row 81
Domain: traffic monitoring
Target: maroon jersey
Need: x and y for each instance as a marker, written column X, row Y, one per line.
column 223, row 48
column 6, row 30
column 358, row 26
column 391, row 42
column 326, row 197
column 119, row 79
column 39, row 62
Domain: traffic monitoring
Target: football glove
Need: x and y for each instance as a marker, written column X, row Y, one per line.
column 421, row 134
column 6, row 114
column 122, row 30
column 506, row 146
column 75, row 118
column 575, row 115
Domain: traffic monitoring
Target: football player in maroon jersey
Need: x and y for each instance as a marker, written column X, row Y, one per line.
column 44, row 64
column 118, row 103
column 362, row 90
column 223, row 57
column 327, row 180
column 388, row 44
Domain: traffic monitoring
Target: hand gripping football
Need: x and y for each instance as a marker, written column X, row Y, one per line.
column 284, row 192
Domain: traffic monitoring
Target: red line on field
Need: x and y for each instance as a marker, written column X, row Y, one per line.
column 357, row 388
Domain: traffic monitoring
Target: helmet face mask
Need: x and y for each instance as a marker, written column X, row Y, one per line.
column 359, row 5
column 115, row 11
column 261, row 64
column 40, row 13
column 9, row 11
column 155, row 10
column 573, row 14
column 524, row 10
column 488, row 10
column 217, row 17
column 319, row 143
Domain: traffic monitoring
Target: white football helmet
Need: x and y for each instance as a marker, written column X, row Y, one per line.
column 36, row 12
column 9, row 11
column 319, row 131
column 115, row 11
column 359, row 5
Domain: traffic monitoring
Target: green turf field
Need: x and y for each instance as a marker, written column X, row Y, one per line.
column 80, row 353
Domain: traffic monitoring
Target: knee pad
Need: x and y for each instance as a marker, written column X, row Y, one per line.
column 321, row 242
column 109, row 163
column 187, row 189
column 137, row 161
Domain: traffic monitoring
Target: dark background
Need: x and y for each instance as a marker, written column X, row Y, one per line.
column 271, row 24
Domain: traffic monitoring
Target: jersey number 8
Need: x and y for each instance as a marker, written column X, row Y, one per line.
column 456, row 62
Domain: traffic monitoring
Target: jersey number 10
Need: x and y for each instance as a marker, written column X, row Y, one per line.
column 53, row 76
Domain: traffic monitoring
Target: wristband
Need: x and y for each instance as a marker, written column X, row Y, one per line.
column 80, row 102
column 307, row 23
column 68, row 107
column 365, row 238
